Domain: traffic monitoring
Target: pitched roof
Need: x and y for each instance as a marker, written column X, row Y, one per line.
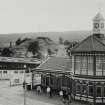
column 20, row 60
column 90, row 44
column 54, row 64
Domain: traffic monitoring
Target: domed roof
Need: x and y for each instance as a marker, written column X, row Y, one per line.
column 98, row 17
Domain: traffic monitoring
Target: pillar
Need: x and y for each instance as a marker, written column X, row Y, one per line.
column 94, row 93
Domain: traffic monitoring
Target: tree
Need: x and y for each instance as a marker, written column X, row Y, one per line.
column 34, row 48
column 18, row 41
column 6, row 52
column 71, row 45
column 49, row 51
column 66, row 42
column 60, row 40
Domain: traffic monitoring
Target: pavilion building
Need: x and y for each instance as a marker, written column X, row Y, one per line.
column 88, row 65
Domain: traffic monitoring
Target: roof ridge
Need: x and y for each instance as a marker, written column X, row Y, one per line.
column 81, row 43
column 92, row 41
column 91, row 44
column 99, row 40
column 43, row 62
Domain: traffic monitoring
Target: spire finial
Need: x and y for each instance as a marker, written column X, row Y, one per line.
column 100, row 6
column 99, row 9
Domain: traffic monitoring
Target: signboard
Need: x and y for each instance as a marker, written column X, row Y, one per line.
column 16, row 79
column 28, row 78
column 37, row 79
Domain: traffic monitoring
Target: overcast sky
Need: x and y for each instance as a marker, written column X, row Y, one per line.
column 48, row 15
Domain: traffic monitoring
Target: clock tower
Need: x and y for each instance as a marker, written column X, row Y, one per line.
column 99, row 25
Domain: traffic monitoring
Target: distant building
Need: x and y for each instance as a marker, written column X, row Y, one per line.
column 61, row 51
column 13, row 68
column 51, row 71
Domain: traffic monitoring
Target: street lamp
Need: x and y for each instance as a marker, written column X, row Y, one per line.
column 24, row 85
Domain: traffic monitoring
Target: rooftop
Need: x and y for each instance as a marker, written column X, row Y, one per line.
column 54, row 64
column 90, row 44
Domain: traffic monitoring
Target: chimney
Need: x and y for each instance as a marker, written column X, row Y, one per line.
column 10, row 44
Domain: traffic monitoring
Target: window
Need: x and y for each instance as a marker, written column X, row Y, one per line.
column 99, row 61
column 99, row 91
column 90, row 65
column 5, row 72
column 65, row 81
column 77, row 64
column 43, row 80
column 27, row 71
column 104, row 91
column 51, row 80
column 91, row 88
column 15, row 71
column 22, row 71
column 47, row 81
column 84, row 65
column 84, row 89
column 103, row 66
column 78, row 88
column 77, row 68
column 16, row 80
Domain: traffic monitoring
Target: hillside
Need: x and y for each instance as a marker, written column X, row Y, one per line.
column 35, row 47
column 69, row 35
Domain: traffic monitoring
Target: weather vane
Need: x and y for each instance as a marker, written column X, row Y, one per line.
column 100, row 6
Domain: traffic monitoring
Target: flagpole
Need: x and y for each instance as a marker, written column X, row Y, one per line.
column 24, row 85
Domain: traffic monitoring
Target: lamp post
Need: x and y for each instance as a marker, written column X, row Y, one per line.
column 24, row 84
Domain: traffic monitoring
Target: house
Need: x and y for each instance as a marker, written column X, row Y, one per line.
column 13, row 69
column 52, row 71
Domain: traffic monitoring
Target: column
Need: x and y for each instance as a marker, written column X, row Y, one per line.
column 94, row 65
column 94, row 93
column 32, row 79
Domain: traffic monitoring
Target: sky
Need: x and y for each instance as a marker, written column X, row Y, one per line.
column 21, row 16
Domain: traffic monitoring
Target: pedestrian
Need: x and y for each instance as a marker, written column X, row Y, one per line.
column 38, row 89
column 49, row 91
column 24, row 84
column 69, row 96
column 61, row 94
column 64, row 97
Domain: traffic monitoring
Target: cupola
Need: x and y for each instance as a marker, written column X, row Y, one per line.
column 99, row 25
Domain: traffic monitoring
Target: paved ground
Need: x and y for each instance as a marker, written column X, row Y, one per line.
column 15, row 96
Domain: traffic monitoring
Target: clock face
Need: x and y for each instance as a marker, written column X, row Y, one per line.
column 102, row 25
column 96, row 25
